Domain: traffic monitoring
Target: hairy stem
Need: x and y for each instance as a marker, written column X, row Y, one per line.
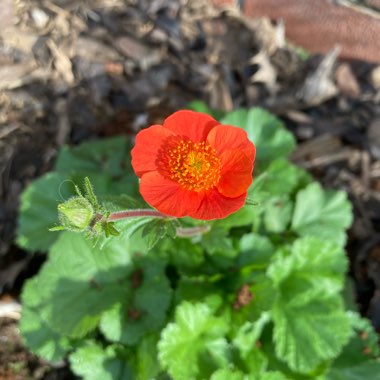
column 192, row 231
column 119, row 215
column 180, row 231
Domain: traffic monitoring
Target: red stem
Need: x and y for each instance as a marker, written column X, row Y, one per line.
column 180, row 231
column 192, row 231
column 134, row 214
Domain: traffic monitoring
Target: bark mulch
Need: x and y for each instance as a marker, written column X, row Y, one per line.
column 72, row 71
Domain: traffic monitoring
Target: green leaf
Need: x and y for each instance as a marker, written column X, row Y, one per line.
column 306, row 335
column 40, row 338
column 255, row 250
column 278, row 213
column 227, row 374
column 110, row 156
column 369, row 371
column 315, row 268
column 273, row 375
column 266, row 131
column 217, row 241
column 147, row 358
column 38, row 211
column 144, row 310
column 310, row 325
column 184, row 254
column 358, row 359
column 246, row 340
column 106, row 162
column 78, row 283
column 325, row 214
column 249, row 333
column 195, row 332
column 93, row 362
column 366, row 334
column 153, row 232
column 195, row 289
column 247, row 215
column 282, row 177
column 131, row 228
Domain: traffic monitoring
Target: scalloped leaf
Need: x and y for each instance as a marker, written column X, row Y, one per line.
column 78, row 283
column 40, row 338
column 310, row 324
column 306, row 335
column 227, row 374
column 144, row 311
column 93, row 362
column 360, row 357
column 194, row 333
column 106, row 162
column 282, row 177
column 313, row 268
column 38, row 210
column 320, row 213
column 369, row 371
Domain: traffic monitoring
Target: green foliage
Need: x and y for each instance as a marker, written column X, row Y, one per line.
column 255, row 296
column 360, row 357
column 40, row 337
column 325, row 214
column 38, row 210
column 227, row 374
column 144, row 310
column 310, row 324
column 93, row 362
column 196, row 332
column 77, row 271
column 106, row 163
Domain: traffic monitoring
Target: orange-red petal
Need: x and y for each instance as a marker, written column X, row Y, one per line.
column 194, row 125
column 236, row 173
column 216, row 206
column 227, row 137
column 167, row 196
column 145, row 152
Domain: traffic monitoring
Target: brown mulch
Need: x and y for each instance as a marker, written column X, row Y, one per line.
column 17, row 364
column 73, row 71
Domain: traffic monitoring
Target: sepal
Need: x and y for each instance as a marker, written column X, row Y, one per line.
column 76, row 214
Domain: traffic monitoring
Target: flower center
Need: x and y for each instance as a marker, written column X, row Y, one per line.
column 195, row 166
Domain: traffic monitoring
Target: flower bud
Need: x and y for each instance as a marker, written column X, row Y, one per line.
column 76, row 214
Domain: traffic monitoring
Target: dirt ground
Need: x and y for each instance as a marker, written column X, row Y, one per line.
column 72, row 71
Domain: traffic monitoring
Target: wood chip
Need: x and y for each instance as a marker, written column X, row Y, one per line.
column 10, row 310
column 132, row 48
column 346, row 81
column 375, row 77
column 13, row 76
column 266, row 73
column 320, row 146
column 373, row 134
column 62, row 63
column 319, row 86
column 7, row 14
column 220, row 95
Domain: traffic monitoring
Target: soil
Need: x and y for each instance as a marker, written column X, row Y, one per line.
column 74, row 71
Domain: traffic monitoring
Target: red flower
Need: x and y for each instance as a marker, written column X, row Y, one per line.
column 194, row 166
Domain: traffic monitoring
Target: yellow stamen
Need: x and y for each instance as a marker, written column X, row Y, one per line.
column 195, row 166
